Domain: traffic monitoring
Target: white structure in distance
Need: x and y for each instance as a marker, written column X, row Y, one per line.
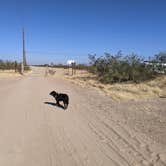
column 70, row 62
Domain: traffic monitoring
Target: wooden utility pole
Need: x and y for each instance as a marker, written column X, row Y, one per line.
column 24, row 63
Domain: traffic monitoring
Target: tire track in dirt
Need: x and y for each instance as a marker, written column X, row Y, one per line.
column 141, row 153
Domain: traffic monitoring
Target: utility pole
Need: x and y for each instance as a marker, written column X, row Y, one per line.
column 24, row 63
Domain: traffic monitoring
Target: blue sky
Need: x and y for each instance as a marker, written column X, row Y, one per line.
column 57, row 30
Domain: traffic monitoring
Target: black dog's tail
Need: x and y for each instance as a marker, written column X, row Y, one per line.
column 66, row 102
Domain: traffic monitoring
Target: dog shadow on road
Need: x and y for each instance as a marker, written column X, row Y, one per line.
column 54, row 104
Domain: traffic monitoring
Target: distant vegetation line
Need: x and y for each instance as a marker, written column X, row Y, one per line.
column 112, row 68
column 12, row 65
column 120, row 68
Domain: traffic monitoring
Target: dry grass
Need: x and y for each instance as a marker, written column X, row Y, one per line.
column 8, row 73
column 12, row 73
column 122, row 91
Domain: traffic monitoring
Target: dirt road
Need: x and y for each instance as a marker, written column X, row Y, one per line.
column 93, row 131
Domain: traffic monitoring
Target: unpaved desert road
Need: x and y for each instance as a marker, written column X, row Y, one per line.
column 88, row 133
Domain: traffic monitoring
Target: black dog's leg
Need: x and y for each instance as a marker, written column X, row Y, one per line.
column 65, row 105
column 57, row 102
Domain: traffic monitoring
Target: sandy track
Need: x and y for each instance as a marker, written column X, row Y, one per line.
column 92, row 131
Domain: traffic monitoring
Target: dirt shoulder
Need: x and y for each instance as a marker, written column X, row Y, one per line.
column 137, row 105
column 9, row 73
column 94, row 130
column 121, row 91
column 12, row 73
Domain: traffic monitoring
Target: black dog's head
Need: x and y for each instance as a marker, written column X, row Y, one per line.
column 54, row 94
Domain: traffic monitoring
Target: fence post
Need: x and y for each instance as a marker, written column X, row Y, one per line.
column 15, row 66
column 22, row 68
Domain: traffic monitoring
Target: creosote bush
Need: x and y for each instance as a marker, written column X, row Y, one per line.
column 118, row 68
column 12, row 65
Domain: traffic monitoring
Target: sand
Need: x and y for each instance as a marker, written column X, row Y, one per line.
column 121, row 91
column 94, row 130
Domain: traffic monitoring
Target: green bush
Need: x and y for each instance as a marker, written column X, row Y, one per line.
column 12, row 65
column 119, row 68
column 27, row 68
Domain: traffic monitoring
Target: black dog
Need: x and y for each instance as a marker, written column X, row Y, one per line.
column 60, row 97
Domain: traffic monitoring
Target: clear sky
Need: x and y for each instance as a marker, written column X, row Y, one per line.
column 57, row 30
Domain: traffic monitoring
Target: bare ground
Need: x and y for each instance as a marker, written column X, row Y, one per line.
column 120, row 91
column 94, row 130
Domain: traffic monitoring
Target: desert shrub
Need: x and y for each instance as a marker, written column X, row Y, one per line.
column 119, row 68
column 12, row 65
column 59, row 65
column 160, row 57
column 81, row 66
column 27, row 68
column 7, row 65
column 159, row 62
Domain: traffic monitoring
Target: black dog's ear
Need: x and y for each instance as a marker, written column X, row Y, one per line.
column 52, row 93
